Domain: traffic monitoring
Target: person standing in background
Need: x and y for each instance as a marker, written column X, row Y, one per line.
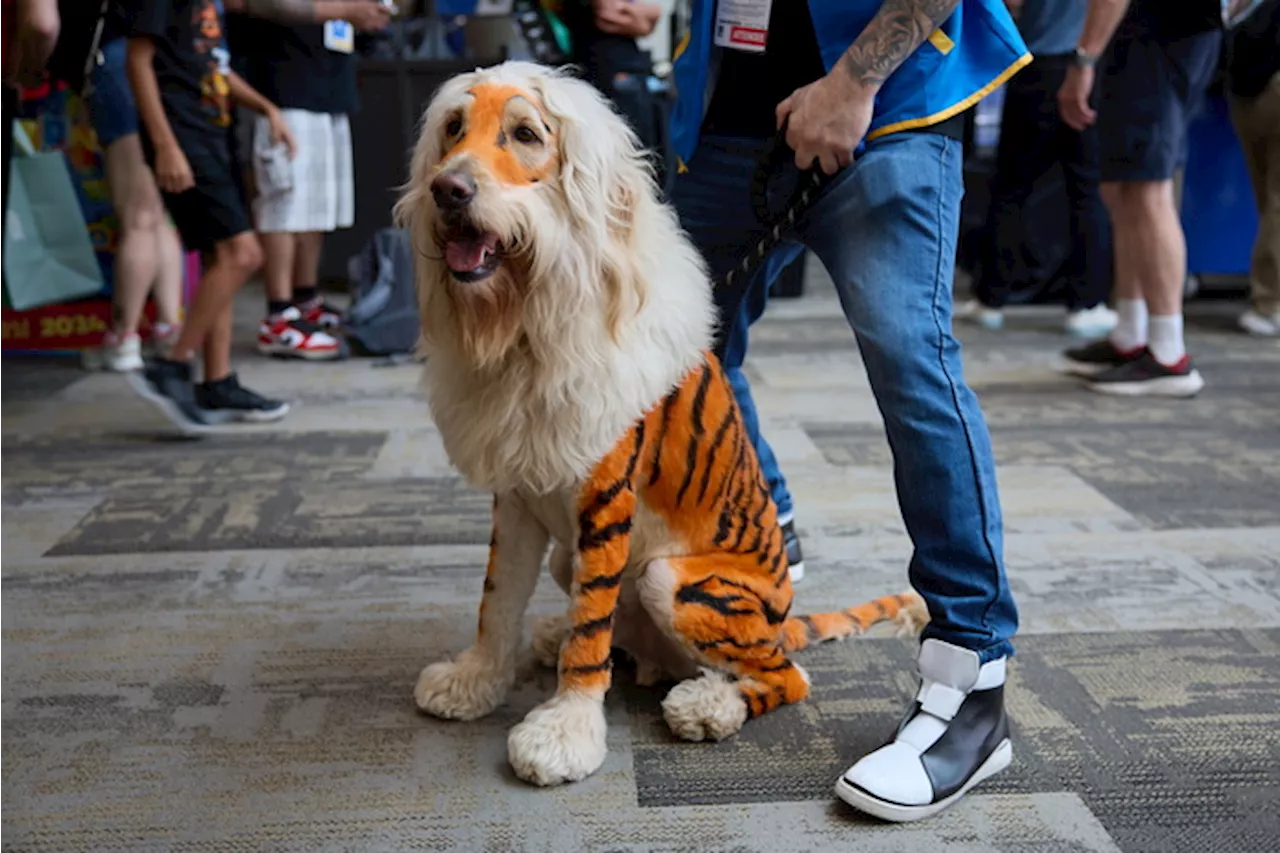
column 1253, row 86
column 1033, row 138
column 179, row 69
column 1152, row 77
column 309, row 71
column 604, row 34
column 148, row 253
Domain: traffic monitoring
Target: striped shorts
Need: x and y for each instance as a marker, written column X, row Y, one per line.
column 322, row 195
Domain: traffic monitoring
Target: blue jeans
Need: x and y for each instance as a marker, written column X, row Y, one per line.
column 886, row 231
column 735, row 353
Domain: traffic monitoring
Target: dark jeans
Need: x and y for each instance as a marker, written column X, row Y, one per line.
column 1033, row 138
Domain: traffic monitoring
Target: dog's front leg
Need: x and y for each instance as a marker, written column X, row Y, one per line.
column 477, row 681
column 563, row 739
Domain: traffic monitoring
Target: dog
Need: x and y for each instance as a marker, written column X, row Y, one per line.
column 567, row 324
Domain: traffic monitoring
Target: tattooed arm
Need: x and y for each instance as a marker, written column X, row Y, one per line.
column 363, row 14
column 893, row 34
column 827, row 119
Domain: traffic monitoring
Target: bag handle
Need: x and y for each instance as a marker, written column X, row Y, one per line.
column 21, row 140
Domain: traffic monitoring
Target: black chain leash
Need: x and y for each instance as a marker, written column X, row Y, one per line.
column 810, row 183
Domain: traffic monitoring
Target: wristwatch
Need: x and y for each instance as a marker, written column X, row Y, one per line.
column 1082, row 59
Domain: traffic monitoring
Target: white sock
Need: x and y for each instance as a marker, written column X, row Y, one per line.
column 786, row 518
column 1166, row 339
column 1130, row 332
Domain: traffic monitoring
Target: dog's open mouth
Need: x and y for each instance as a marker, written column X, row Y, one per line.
column 472, row 254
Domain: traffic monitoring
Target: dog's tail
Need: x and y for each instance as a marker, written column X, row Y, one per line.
column 906, row 610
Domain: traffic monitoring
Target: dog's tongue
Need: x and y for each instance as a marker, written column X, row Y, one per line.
column 468, row 255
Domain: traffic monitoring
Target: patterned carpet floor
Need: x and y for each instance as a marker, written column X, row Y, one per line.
column 211, row 645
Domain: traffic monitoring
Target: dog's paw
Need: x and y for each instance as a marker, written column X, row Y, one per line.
column 462, row 689
column 709, row 707
column 548, row 634
column 561, row 740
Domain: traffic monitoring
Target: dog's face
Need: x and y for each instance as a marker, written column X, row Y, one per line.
column 520, row 205
column 498, row 146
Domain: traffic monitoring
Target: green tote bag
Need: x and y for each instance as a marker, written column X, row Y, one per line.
column 48, row 256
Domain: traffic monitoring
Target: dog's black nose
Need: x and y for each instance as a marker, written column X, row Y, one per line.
column 453, row 190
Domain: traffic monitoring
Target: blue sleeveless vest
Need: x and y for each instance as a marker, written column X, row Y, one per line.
column 974, row 51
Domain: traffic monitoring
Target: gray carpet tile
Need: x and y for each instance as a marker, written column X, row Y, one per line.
column 211, row 645
column 218, row 515
column 1172, row 739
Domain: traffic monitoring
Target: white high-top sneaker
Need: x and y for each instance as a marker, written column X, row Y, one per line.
column 953, row 736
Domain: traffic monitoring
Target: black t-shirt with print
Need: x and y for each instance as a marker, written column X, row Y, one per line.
column 751, row 85
column 191, row 60
column 292, row 68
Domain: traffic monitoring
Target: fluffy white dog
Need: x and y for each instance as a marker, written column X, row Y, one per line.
column 566, row 321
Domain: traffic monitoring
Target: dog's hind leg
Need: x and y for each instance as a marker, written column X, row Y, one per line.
column 729, row 617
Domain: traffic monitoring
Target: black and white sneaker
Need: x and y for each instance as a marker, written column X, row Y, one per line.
column 954, row 736
column 1147, row 377
column 168, row 386
column 795, row 558
column 1096, row 357
column 227, row 400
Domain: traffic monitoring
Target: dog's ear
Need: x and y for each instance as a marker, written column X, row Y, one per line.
column 607, row 180
column 604, row 171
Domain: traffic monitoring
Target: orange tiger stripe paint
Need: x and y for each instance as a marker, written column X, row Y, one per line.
column 485, row 139
column 690, row 461
column 606, row 509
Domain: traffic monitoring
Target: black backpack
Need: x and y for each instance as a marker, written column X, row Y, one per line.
column 79, row 37
column 383, row 317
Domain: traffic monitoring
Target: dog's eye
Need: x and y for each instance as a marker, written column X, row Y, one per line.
column 525, row 135
column 454, row 127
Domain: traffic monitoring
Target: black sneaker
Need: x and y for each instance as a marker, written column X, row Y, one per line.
column 167, row 385
column 795, row 559
column 1096, row 357
column 228, row 400
column 1146, row 377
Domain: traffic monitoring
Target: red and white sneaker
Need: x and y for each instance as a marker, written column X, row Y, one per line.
column 287, row 334
column 321, row 313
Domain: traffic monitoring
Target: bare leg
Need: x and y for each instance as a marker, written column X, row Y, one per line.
column 280, row 250
column 306, row 261
column 1131, row 330
column 234, row 260
column 168, row 289
column 141, row 213
column 1162, row 246
column 217, row 346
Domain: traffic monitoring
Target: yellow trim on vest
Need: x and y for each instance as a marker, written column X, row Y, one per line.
column 682, row 46
column 941, row 41
column 942, row 115
column 681, row 168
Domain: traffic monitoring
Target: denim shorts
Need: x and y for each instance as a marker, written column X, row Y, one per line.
column 112, row 110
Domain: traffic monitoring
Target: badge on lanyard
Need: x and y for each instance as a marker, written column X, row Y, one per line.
column 743, row 24
column 339, row 36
